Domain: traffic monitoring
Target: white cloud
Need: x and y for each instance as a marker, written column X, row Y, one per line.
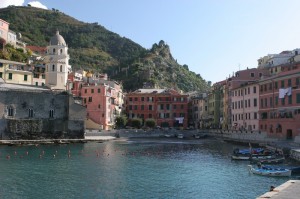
column 5, row 3
column 37, row 4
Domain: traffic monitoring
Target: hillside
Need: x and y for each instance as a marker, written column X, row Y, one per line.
column 93, row 47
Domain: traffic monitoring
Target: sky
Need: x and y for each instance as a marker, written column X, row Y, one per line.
column 215, row 38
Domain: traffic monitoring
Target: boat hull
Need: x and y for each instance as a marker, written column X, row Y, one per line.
column 271, row 172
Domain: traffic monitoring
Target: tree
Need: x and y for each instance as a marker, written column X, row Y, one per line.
column 136, row 123
column 121, row 121
column 150, row 123
column 185, row 66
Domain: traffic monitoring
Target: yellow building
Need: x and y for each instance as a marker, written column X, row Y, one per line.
column 15, row 72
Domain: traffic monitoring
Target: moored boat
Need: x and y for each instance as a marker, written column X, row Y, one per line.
column 294, row 169
column 270, row 172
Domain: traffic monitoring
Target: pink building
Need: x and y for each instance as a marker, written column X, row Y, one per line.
column 4, row 29
column 280, row 103
column 244, row 98
column 102, row 98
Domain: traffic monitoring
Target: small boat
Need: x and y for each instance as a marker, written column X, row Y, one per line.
column 180, row 136
column 168, row 135
column 270, row 160
column 248, row 151
column 240, row 157
column 270, row 172
column 200, row 135
column 294, row 169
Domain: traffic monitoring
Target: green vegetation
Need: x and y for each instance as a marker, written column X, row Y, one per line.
column 136, row 123
column 92, row 47
column 150, row 123
column 14, row 54
column 121, row 121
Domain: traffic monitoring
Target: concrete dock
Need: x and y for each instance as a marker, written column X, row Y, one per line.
column 288, row 190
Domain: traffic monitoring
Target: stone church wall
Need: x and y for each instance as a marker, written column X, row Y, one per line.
column 40, row 124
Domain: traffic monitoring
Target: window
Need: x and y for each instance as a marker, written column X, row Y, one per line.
column 182, row 106
column 249, row 103
column 150, row 107
column 61, row 51
column 135, row 99
column 270, row 86
column 161, row 107
column 53, row 50
column 30, row 112
column 168, row 106
column 254, row 89
column 51, row 113
column 276, row 101
column 10, row 111
column 61, row 68
column 290, row 99
column 90, row 99
column 255, row 102
column 289, row 82
column 130, row 107
column 85, row 90
column 10, row 75
column 298, row 98
column 142, row 99
column 99, row 106
column 99, row 90
column 0, row 74
column 25, row 77
column 266, row 102
column 53, row 67
column 282, row 101
column 255, row 115
column 174, row 106
column 282, row 83
column 298, row 81
column 43, row 76
column 92, row 90
column 271, row 101
column 252, row 74
column 142, row 107
column 135, row 107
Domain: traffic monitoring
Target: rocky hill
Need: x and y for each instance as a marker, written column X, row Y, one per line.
column 95, row 48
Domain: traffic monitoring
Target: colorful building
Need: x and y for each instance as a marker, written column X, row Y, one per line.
column 15, row 72
column 280, row 103
column 167, row 107
column 102, row 98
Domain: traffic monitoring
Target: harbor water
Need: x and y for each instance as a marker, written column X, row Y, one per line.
column 139, row 168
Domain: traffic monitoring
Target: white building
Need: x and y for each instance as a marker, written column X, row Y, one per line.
column 57, row 63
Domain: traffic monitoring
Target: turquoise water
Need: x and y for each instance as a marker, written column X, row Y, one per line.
column 129, row 169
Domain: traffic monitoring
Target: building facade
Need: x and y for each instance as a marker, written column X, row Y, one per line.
column 280, row 103
column 166, row 106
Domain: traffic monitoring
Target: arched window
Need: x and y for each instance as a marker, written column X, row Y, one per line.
column 30, row 112
column 51, row 113
column 53, row 50
column 61, row 68
column 10, row 111
column 53, row 67
column 61, row 51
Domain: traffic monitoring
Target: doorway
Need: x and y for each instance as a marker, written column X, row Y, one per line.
column 289, row 134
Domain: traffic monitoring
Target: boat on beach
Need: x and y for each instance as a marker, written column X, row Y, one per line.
column 270, row 172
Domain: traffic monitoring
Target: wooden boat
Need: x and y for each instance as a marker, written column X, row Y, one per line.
column 248, row 151
column 270, row 172
column 270, row 160
column 294, row 169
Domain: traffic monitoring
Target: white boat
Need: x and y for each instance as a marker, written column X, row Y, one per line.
column 240, row 157
column 180, row 136
column 270, row 172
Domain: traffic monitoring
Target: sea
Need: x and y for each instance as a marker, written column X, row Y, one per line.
column 135, row 168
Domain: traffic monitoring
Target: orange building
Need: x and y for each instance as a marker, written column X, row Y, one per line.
column 167, row 107
column 280, row 102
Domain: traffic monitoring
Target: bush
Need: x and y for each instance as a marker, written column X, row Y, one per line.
column 136, row 123
column 150, row 123
column 121, row 121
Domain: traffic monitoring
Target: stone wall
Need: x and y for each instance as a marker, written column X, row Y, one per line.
column 67, row 120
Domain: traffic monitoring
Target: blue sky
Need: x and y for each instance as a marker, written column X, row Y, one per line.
column 213, row 37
